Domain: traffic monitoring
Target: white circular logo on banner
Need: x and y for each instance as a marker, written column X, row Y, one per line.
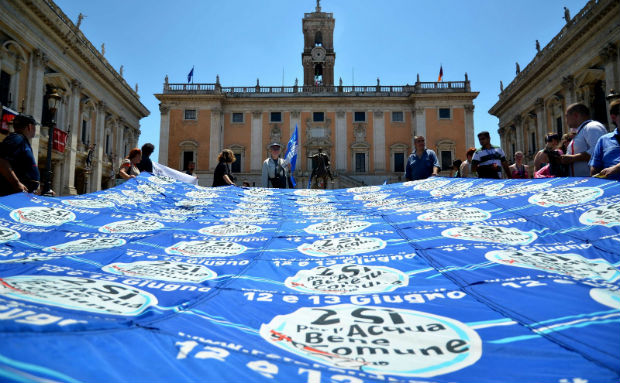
column 131, row 226
column 312, row 200
column 334, row 227
column 230, row 230
column 518, row 188
column 454, row 188
column 383, row 203
column 573, row 265
column 456, row 214
column 565, row 196
column 308, row 192
column 247, row 212
column 431, row 184
column 254, row 199
column 95, row 203
column 42, row 216
column 206, row 248
column 151, row 189
column 415, row 207
column 162, row 180
column 364, row 189
column 494, row 234
column 606, row 297
column 162, row 271
column 7, row 234
column 245, row 219
column 608, row 215
column 85, row 244
column 85, row 294
column 347, row 280
column 254, row 206
column 201, row 194
column 370, row 196
column 479, row 190
column 342, row 246
column 317, row 208
column 414, row 183
column 137, row 197
column 258, row 192
column 377, row 340
column 193, row 203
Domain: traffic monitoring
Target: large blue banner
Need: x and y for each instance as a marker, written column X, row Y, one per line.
column 439, row 280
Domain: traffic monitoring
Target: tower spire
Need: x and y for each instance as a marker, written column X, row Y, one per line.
column 318, row 5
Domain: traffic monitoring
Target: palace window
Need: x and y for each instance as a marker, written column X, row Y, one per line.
column 399, row 162
column 318, row 116
column 360, row 162
column 444, row 114
column 237, row 117
column 397, row 117
column 558, row 126
column 190, row 114
column 276, row 117
column 85, row 132
column 446, row 160
column 359, row 117
column 5, row 89
column 532, row 142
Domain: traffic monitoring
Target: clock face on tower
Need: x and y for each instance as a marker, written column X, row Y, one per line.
column 318, row 54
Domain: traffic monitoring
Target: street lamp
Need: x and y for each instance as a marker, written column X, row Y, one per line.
column 53, row 101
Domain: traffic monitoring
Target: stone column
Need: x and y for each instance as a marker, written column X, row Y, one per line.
column 97, row 166
column 256, row 142
column 568, row 83
column 469, row 126
column 68, row 175
column 215, row 137
column 609, row 55
column 519, row 140
column 341, row 141
column 164, row 133
column 502, row 138
column 420, row 124
column 378, row 138
column 34, row 98
column 540, row 122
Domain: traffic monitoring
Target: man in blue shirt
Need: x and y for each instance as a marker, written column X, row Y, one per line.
column 422, row 163
column 17, row 164
column 605, row 162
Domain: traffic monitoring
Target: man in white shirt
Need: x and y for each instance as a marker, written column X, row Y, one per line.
column 581, row 148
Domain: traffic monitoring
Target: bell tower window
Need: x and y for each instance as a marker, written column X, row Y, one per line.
column 318, row 39
column 318, row 74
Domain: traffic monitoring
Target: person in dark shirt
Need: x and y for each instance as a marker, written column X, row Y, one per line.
column 146, row 165
column 18, row 166
column 222, row 175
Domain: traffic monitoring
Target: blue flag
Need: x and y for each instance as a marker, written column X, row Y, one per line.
column 190, row 75
column 291, row 153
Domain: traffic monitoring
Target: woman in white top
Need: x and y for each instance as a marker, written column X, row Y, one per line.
column 465, row 170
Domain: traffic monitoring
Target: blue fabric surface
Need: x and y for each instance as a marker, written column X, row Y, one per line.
column 438, row 280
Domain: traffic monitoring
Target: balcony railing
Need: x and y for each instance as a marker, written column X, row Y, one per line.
column 338, row 90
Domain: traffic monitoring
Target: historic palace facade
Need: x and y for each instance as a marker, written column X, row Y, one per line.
column 42, row 52
column 366, row 130
column 580, row 64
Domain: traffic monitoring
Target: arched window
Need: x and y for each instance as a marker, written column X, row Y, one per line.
column 318, row 74
column 318, row 39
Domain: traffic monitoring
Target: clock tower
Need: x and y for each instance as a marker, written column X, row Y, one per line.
column 318, row 57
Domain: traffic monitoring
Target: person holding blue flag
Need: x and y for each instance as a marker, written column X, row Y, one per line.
column 291, row 157
column 275, row 169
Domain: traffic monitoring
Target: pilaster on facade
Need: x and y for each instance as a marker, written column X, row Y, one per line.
column 341, row 141
column 379, row 141
column 420, row 123
column 256, row 146
column 469, row 126
column 164, row 133
column 215, row 137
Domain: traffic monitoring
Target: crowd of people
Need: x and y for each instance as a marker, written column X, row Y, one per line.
column 587, row 150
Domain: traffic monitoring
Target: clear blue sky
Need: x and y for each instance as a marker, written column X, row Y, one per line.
column 242, row 40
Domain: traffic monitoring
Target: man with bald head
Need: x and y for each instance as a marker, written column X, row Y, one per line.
column 581, row 148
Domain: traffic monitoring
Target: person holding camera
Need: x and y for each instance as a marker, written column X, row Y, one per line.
column 275, row 169
column 222, row 175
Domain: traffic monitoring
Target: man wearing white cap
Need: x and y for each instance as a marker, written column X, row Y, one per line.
column 275, row 169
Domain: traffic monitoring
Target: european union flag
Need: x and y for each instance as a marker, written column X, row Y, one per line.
column 190, row 75
column 291, row 153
